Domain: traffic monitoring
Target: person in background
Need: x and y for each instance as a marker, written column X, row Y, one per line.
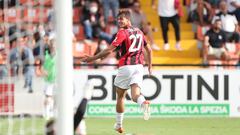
column 139, row 20
column 234, row 8
column 28, row 60
column 93, row 22
column 107, row 5
column 14, row 57
column 110, row 59
column 214, row 43
column 3, row 60
column 49, row 70
column 38, row 51
column 168, row 14
column 125, row 3
column 229, row 23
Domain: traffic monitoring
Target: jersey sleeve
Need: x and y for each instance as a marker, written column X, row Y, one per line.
column 120, row 37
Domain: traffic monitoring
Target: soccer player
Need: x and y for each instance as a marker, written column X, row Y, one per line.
column 50, row 77
column 130, row 73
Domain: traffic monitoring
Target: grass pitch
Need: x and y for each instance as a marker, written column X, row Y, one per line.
column 132, row 126
column 167, row 126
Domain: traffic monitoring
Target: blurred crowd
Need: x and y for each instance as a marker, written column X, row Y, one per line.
column 23, row 43
column 94, row 28
column 216, row 27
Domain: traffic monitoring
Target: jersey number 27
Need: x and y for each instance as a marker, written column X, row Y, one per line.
column 135, row 46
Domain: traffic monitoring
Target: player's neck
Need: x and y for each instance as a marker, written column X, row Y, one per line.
column 128, row 26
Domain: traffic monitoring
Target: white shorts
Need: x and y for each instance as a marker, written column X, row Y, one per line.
column 49, row 88
column 128, row 75
column 217, row 52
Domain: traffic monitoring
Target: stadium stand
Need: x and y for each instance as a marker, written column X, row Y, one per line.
column 29, row 14
column 190, row 53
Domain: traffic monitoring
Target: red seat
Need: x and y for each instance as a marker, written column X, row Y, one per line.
column 78, row 32
column 233, row 50
column 36, row 15
column 28, row 2
column 12, row 15
column 201, row 30
column 82, row 48
column 76, row 15
column 7, row 97
column 45, row 2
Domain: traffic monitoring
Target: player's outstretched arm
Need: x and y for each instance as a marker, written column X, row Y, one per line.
column 101, row 54
column 149, row 57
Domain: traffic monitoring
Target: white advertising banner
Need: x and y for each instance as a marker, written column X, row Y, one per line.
column 171, row 92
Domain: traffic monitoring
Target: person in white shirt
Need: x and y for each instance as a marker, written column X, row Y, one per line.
column 168, row 14
column 229, row 23
column 234, row 8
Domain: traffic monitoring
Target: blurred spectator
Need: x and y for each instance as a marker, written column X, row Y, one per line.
column 110, row 59
column 50, row 17
column 214, row 3
column 14, row 57
column 27, row 62
column 93, row 23
column 9, row 3
column 126, row 3
column 50, row 77
column 47, row 43
column 114, row 6
column 168, row 14
column 204, row 13
column 2, row 29
column 229, row 23
column 234, row 8
column 3, row 60
column 200, row 13
column 214, row 43
column 139, row 20
column 41, row 30
column 38, row 52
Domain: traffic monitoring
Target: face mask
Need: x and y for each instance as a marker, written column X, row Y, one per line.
column 93, row 9
column 103, row 47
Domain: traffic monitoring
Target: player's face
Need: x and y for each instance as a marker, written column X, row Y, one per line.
column 123, row 22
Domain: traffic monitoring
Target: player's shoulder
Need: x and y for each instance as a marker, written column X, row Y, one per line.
column 121, row 30
column 121, row 33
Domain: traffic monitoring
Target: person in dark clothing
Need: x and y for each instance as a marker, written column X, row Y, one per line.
column 93, row 22
column 214, row 43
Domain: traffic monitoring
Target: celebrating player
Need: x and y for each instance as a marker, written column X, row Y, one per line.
column 131, row 42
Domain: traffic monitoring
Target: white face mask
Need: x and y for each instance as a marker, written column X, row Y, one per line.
column 93, row 9
column 103, row 47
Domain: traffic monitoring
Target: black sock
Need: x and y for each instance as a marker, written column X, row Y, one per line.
column 80, row 113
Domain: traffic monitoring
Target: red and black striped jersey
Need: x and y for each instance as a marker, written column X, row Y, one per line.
column 131, row 42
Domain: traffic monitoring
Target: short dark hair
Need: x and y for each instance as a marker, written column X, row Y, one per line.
column 125, row 12
column 217, row 20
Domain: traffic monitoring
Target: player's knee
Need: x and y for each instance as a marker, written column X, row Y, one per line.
column 120, row 98
column 134, row 98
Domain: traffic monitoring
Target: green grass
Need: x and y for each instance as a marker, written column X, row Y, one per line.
column 167, row 126
column 137, row 126
column 26, row 126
